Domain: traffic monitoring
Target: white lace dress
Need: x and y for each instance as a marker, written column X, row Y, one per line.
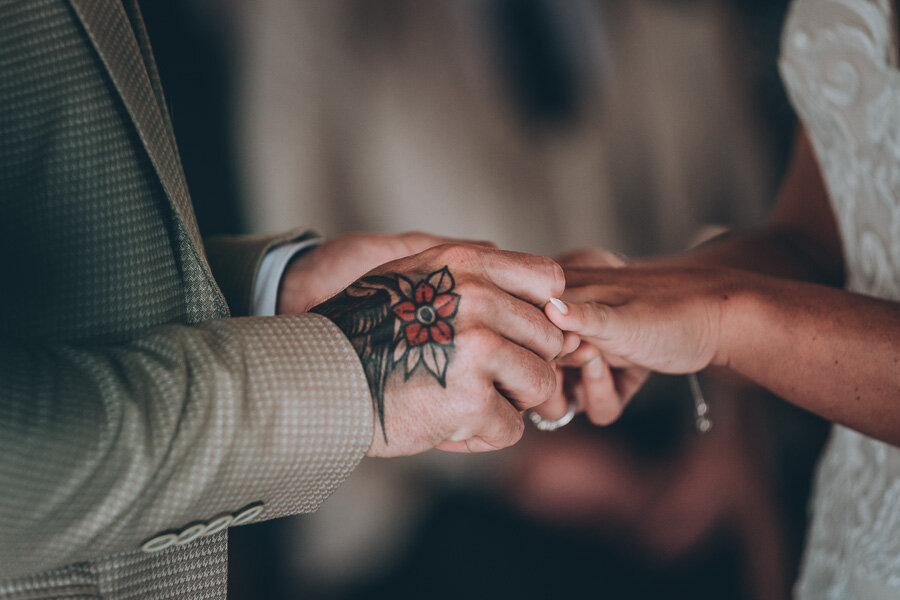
column 838, row 60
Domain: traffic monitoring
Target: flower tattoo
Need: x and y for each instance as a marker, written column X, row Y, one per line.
column 425, row 332
column 391, row 320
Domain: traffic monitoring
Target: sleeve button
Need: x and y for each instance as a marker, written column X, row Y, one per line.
column 159, row 543
column 248, row 514
column 218, row 524
column 191, row 533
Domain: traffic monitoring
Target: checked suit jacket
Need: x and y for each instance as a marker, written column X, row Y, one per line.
column 135, row 400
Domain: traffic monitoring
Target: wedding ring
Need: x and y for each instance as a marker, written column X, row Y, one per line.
column 542, row 424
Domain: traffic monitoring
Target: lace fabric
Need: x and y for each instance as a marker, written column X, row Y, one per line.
column 838, row 63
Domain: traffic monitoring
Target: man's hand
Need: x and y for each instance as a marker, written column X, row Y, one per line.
column 454, row 345
column 323, row 271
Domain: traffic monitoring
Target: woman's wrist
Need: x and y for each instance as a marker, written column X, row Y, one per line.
column 743, row 310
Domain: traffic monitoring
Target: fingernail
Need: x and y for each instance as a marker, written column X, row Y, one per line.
column 595, row 369
column 560, row 305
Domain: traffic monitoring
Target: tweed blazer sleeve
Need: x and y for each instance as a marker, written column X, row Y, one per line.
column 106, row 446
column 131, row 403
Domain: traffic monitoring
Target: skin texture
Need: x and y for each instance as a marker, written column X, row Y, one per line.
column 763, row 304
column 322, row 272
column 496, row 347
column 396, row 323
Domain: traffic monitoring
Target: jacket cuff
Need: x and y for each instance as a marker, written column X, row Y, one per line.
column 323, row 424
column 235, row 261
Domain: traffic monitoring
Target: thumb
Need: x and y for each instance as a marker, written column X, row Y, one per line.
column 587, row 319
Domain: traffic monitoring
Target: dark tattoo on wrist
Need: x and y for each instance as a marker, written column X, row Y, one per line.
column 393, row 321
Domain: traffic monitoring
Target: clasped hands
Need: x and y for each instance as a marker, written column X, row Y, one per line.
column 458, row 338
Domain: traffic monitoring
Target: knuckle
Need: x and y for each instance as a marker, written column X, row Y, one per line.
column 545, row 383
column 554, row 339
column 479, row 341
column 472, row 289
column 455, row 254
column 557, row 277
column 601, row 313
column 545, row 340
column 537, row 333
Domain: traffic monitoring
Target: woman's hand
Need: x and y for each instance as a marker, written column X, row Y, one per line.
column 832, row 352
column 600, row 387
column 636, row 319
column 666, row 319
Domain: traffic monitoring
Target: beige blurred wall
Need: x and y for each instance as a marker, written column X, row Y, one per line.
column 390, row 116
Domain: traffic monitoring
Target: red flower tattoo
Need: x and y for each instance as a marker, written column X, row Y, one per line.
column 424, row 333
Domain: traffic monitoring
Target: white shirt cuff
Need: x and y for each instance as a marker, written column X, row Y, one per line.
column 268, row 278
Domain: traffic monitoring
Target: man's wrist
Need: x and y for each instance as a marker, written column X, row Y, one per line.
column 274, row 268
column 296, row 290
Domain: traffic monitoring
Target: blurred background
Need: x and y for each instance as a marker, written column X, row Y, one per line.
column 542, row 125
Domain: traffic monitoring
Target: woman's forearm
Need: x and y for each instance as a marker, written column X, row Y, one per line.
column 832, row 352
column 759, row 302
column 773, row 251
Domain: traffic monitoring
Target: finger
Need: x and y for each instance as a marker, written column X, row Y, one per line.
column 529, row 277
column 612, row 295
column 557, row 405
column 500, row 427
column 514, row 319
column 580, row 277
column 532, row 278
column 617, row 362
column 577, row 393
column 603, row 404
column 589, row 258
column 522, row 376
column 585, row 353
column 571, row 343
column 588, row 319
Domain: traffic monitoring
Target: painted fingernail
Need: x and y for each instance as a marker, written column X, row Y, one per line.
column 560, row 305
column 595, row 369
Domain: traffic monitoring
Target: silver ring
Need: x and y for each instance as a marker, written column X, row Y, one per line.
column 542, row 424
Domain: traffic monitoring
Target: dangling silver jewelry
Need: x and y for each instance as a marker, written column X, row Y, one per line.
column 701, row 409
